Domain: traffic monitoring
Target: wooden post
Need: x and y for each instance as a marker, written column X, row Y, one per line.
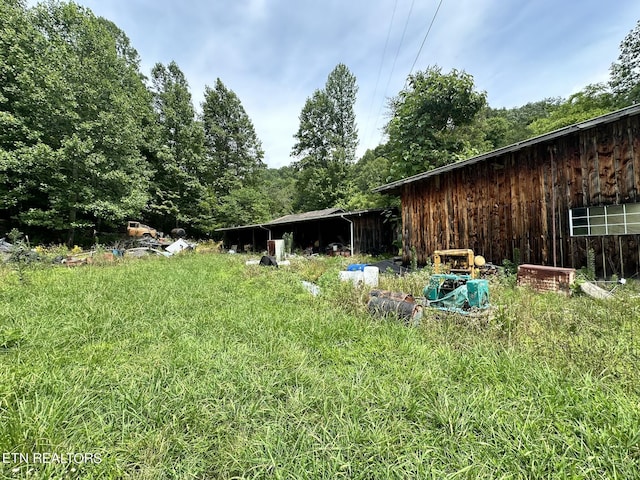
column 553, row 205
column 604, row 259
column 621, row 259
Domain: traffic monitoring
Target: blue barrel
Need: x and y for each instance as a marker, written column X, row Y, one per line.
column 356, row 267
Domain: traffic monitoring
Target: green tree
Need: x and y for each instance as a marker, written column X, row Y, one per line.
column 233, row 160
column 233, row 154
column 341, row 90
column 431, row 120
column 77, row 107
column 243, row 206
column 625, row 72
column 508, row 126
column 18, row 40
column 176, row 190
column 278, row 188
column 314, row 138
column 326, row 141
column 371, row 171
column 592, row 101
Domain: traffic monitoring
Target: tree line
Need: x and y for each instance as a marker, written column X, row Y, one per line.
column 87, row 141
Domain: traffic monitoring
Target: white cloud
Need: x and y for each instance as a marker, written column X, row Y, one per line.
column 275, row 53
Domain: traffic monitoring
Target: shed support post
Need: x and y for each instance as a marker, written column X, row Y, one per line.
column 350, row 233
column 268, row 230
column 553, row 205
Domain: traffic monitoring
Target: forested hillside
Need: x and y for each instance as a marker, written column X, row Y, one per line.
column 88, row 140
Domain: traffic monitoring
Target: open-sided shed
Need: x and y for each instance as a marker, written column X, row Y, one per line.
column 547, row 200
column 364, row 231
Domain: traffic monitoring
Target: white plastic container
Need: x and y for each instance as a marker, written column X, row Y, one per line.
column 371, row 276
column 355, row 277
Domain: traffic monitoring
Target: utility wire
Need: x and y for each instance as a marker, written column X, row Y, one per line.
column 384, row 52
column 394, row 63
column 398, row 51
column 425, row 37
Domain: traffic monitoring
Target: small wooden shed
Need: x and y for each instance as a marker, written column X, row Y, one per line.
column 547, row 200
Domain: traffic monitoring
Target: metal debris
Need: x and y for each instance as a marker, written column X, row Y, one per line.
column 595, row 291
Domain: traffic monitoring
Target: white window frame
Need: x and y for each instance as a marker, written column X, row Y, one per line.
column 605, row 220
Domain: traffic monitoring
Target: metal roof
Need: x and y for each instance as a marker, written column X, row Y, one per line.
column 394, row 187
column 305, row 217
column 300, row 217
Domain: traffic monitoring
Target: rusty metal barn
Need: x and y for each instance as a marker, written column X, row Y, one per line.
column 547, row 200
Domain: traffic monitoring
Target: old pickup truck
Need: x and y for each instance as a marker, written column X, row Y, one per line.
column 137, row 230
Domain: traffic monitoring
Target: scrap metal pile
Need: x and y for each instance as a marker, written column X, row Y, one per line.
column 453, row 288
column 446, row 292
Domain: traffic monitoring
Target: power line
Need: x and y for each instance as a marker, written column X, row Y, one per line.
column 384, row 52
column 425, row 36
column 398, row 51
column 424, row 40
column 394, row 63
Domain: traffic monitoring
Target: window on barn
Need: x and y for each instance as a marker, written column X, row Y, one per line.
column 606, row 220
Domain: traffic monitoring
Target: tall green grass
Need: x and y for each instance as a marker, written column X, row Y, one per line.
column 201, row 367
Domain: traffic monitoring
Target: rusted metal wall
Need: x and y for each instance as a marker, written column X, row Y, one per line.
column 519, row 202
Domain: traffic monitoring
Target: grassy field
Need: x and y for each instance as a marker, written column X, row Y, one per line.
column 198, row 366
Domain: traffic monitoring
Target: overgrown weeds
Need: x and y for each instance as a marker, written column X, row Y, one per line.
column 201, row 366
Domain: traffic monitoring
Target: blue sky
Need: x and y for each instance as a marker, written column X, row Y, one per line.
column 274, row 53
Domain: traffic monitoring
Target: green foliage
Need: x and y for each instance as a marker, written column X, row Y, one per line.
column 341, row 90
column 20, row 258
column 288, row 242
column 243, row 206
column 176, row 189
column 589, row 270
column 322, row 186
column 75, row 104
column 278, row 187
column 511, row 266
column 431, row 121
column 592, row 101
column 326, row 141
column 414, row 258
column 625, row 72
column 233, row 155
column 508, row 126
column 371, row 171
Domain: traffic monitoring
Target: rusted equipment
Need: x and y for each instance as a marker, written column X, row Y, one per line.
column 546, row 279
column 137, row 230
column 400, row 296
column 397, row 304
column 178, row 233
column 457, row 293
column 460, row 261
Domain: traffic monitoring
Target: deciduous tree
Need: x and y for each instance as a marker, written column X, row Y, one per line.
column 430, row 119
column 625, row 72
column 76, row 105
column 592, row 101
